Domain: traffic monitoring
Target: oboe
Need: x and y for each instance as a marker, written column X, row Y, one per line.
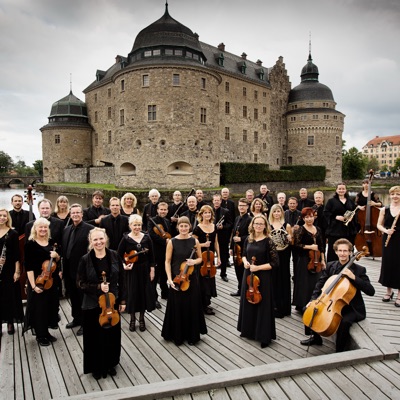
column 3, row 255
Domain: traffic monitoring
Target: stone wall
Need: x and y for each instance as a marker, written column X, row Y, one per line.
column 104, row 175
column 77, row 175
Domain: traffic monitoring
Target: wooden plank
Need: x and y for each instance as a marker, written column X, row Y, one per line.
column 312, row 391
column 328, row 386
column 18, row 365
column 25, row 371
column 289, row 386
column 7, row 362
column 273, row 389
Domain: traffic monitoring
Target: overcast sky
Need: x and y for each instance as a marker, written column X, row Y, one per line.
column 355, row 44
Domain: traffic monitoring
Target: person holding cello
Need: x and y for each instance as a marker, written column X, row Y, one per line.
column 362, row 197
column 256, row 312
column 42, row 307
column 206, row 233
column 184, row 317
column 100, row 277
column 355, row 310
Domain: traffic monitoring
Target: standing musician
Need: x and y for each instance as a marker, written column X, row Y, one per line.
column 281, row 197
column 293, row 218
column 281, row 235
column 42, row 308
column 227, row 203
column 258, row 207
column 353, row 312
column 334, row 212
column 223, row 224
column 177, row 207
column 151, row 207
column 19, row 216
column 184, row 317
column 93, row 214
column 389, row 224
column 101, row 346
column 128, row 204
column 249, row 195
column 362, row 197
column 239, row 234
column 61, row 210
column 160, row 239
column 200, row 199
column 206, row 233
column 265, row 197
column 10, row 271
column 318, row 208
column 257, row 321
column 192, row 211
column 304, row 201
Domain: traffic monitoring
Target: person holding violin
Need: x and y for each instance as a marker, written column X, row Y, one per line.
column 136, row 249
column 184, row 317
column 128, row 204
column 257, row 321
column 311, row 252
column 40, row 263
column 389, row 225
column 355, row 310
column 61, row 210
column 10, row 272
column 100, row 277
column 159, row 230
column 206, row 233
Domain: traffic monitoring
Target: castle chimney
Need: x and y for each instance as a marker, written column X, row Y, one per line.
column 221, row 46
column 259, row 62
column 244, row 56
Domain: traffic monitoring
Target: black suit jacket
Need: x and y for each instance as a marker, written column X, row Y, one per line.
column 91, row 213
column 20, row 219
column 56, row 230
column 121, row 227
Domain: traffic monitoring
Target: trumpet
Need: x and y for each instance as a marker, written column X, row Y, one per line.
column 349, row 215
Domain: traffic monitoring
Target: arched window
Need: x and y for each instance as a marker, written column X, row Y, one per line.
column 180, row 168
column 127, row 169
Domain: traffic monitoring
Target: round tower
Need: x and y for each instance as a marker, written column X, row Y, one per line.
column 66, row 140
column 314, row 126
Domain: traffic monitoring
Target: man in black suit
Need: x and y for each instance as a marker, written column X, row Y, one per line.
column 75, row 245
column 265, row 197
column 353, row 312
column 304, row 201
column 93, row 214
column 227, row 203
column 115, row 224
column 192, row 211
column 19, row 216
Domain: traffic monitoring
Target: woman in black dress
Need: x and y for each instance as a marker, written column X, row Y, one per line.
column 334, row 212
column 10, row 271
column 390, row 271
column 257, row 208
column 101, row 345
column 307, row 237
column 281, row 276
column 42, row 307
column 128, row 204
column 139, row 273
column 61, row 210
column 206, row 234
column 362, row 197
column 257, row 321
column 184, row 317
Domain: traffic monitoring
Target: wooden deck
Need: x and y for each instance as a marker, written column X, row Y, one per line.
column 221, row 366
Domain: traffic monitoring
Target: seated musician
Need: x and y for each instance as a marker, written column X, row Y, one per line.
column 353, row 312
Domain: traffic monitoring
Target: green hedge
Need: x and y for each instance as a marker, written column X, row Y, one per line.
column 247, row 173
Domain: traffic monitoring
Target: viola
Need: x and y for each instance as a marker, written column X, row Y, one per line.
column 182, row 281
column 314, row 265
column 324, row 314
column 133, row 255
column 159, row 229
column 45, row 280
column 109, row 315
column 208, row 268
column 237, row 252
column 253, row 294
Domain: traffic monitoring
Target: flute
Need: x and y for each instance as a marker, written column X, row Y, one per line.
column 392, row 227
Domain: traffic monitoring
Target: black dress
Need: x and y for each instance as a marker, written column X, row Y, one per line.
column 390, row 271
column 10, row 293
column 140, row 296
column 208, row 287
column 257, row 321
column 184, row 317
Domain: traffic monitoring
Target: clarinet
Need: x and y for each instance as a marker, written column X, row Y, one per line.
column 3, row 255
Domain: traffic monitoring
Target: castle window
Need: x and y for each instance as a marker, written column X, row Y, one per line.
column 95, row 98
column 290, row 160
column 264, row 94
column 203, row 115
column 264, row 110
column 147, row 53
column 95, row 116
column 152, row 112
column 244, row 92
column 264, row 146
column 326, row 116
column 256, row 113
column 122, row 85
column 310, row 104
column 109, row 93
column 109, row 137
column 303, row 118
column 265, row 127
column 96, row 139
column 294, row 106
column 227, row 133
column 156, row 52
column 255, row 94
column 337, row 140
column 169, row 52
column 242, row 67
column 176, row 79
column 227, row 107
column 178, row 52
column 220, row 59
column 310, row 140
column 227, row 87
column 244, row 135
column 255, row 157
column 335, row 117
column 255, row 137
column 180, row 168
column 244, row 111
column 57, row 139
column 315, row 116
column 122, row 117
column 189, row 54
column 277, row 161
column 145, row 80
column 261, row 74
column 203, row 83
column 127, row 169
column 292, row 119
column 109, row 113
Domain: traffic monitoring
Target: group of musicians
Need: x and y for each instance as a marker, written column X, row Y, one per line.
column 116, row 254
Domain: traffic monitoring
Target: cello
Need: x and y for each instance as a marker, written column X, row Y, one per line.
column 208, row 269
column 109, row 315
column 323, row 315
column 369, row 235
column 253, row 295
column 182, row 280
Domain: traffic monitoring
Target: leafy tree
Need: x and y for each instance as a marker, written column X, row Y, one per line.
column 373, row 164
column 6, row 162
column 38, row 165
column 354, row 164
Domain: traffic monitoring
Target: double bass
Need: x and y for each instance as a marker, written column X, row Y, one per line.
column 324, row 314
column 253, row 294
column 369, row 235
column 208, row 269
column 109, row 315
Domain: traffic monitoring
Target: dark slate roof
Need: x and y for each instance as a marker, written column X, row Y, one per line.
column 69, row 106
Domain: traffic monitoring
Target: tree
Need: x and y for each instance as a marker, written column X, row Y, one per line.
column 38, row 165
column 354, row 164
column 6, row 162
column 373, row 164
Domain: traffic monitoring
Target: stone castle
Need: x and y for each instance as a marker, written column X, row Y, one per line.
column 174, row 108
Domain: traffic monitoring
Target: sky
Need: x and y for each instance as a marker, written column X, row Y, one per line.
column 354, row 43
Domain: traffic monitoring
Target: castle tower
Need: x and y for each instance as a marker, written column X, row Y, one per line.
column 314, row 126
column 66, row 139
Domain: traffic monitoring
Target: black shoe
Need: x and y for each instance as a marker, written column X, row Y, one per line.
column 96, row 375
column 209, row 311
column 72, row 324
column 10, row 329
column 112, row 371
column 225, row 278
column 311, row 341
column 235, row 294
column 132, row 326
column 158, row 305
column 79, row 331
column 43, row 342
column 142, row 325
column 51, row 338
column 264, row 345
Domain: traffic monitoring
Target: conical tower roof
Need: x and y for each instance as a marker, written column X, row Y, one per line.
column 69, row 106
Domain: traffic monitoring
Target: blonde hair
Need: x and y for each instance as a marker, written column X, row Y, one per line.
column 273, row 209
column 60, row 198
column 9, row 219
column 135, row 218
column 203, row 209
column 394, row 189
column 128, row 196
column 39, row 221
column 251, row 227
column 253, row 204
column 96, row 229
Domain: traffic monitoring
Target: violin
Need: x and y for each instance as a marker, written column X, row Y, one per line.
column 237, row 252
column 45, row 280
column 159, row 229
column 133, row 255
column 323, row 315
column 314, row 265
column 208, row 268
column 253, row 295
column 109, row 315
column 182, row 281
